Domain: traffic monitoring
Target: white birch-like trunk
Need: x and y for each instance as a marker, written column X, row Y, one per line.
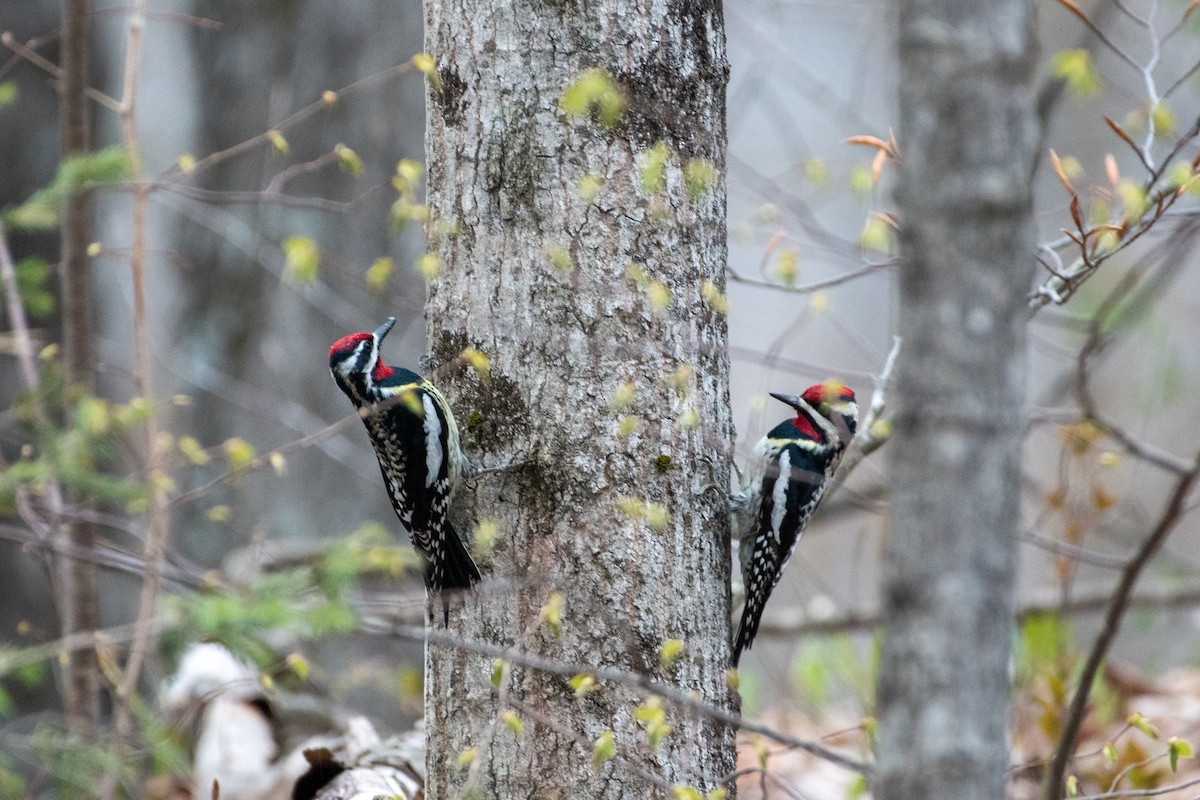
column 536, row 274
column 968, row 136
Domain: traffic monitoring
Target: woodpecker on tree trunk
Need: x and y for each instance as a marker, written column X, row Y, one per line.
column 416, row 441
column 787, row 477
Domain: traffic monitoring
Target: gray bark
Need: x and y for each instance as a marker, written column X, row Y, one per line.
column 967, row 144
column 504, row 167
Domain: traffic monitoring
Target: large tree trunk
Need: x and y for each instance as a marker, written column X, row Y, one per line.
column 968, row 136
column 536, row 275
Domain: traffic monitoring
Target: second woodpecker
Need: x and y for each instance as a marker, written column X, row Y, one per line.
column 416, row 441
column 785, row 481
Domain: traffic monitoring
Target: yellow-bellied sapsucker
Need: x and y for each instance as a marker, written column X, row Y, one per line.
column 791, row 468
column 416, row 441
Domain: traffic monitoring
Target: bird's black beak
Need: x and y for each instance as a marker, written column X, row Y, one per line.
column 383, row 329
column 791, row 399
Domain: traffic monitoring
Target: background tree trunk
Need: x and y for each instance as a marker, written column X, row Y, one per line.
column 505, row 166
column 967, row 141
column 75, row 579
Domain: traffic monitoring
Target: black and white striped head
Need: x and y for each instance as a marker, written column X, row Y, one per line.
column 356, row 366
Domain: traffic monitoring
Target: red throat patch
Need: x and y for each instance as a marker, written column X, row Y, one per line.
column 806, row 428
column 381, row 371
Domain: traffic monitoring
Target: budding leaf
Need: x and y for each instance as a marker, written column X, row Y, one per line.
column 348, row 160
column 1177, row 748
column 379, row 273
column 302, row 257
column 513, row 722
column 238, row 453
column 603, row 749
column 669, row 652
column 593, row 92
column 551, row 613
column 298, row 664
column 653, row 172
column 277, row 141
column 1076, row 69
column 582, row 684
column 1142, row 724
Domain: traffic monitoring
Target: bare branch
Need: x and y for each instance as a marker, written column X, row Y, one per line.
column 618, row 677
column 16, row 314
column 52, row 69
column 1117, row 606
column 874, row 431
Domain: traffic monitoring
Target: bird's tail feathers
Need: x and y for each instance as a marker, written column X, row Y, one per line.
column 747, row 628
column 458, row 572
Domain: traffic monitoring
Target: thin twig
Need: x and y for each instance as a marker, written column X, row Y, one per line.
column 220, row 197
column 266, row 136
column 154, row 548
column 1140, row 792
column 871, row 435
column 629, row 680
column 52, row 69
column 788, row 626
column 814, row 286
column 16, row 315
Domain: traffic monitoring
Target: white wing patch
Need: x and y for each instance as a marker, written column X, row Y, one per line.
column 779, row 493
column 433, row 442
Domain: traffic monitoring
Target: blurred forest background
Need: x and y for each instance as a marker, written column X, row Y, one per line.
column 278, row 220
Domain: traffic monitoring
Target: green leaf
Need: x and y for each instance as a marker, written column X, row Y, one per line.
column 681, row 792
column 348, row 160
column 1164, row 119
column 877, row 235
column 379, row 273
column 582, row 684
column 653, row 170
column 551, row 614
column 1142, row 724
column 302, row 257
column 593, row 92
column 603, row 749
column 699, row 176
column 669, row 652
column 298, row 664
column 238, row 453
column 1177, row 748
column 1076, row 68
column 653, row 719
column 33, row 284
column 331, row 617
column 8, row 93
column 278, row 141
column 78, row 173
column 1044, row 638
column 497, row 671
column 512, row 722
column 817, row 172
